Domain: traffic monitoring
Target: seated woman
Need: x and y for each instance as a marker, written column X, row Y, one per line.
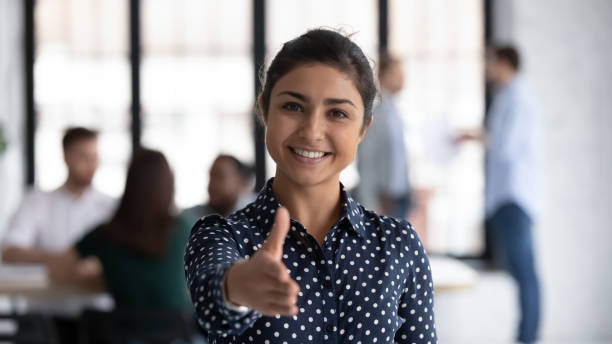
column 141, row 248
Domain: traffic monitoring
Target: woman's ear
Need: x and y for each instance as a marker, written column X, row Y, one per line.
column 260, row 109
column 365, row 128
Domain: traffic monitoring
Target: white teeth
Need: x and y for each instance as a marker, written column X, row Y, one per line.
column 307, row 154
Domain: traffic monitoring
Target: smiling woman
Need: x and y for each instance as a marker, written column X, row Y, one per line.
column 304, row 259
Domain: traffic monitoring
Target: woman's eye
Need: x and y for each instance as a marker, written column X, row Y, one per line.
column 292, row 107
column 338, row 114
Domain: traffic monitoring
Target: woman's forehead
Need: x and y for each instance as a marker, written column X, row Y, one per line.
column 318, row 82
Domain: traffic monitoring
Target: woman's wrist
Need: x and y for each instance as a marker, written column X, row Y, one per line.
column 230, row 293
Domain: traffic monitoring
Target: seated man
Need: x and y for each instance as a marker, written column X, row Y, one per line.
column 50, row 222
column 228, row 188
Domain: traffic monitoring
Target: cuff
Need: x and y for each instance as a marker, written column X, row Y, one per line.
column 226, row 302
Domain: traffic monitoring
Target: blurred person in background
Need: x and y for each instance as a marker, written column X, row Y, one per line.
column 511, row 173
column 382, row 160
column 47, row 223
column 141, row 248
column 228, row 189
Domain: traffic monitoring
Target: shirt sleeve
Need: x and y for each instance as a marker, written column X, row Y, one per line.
column 373, row 160
column 22, row 230
column 416, row 307
column 88, row 244
column 520, row 131
column 210, row 251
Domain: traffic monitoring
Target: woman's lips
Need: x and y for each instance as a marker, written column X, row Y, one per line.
column 308, row 156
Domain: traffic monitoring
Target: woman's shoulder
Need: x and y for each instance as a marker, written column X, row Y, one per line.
column 400, row 237
column 377, row 219
column 390, row 228
column 208, row 222
column 235, row 221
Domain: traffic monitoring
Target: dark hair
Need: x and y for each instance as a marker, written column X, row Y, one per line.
column 143, row 220
column 327, row 47
column 244, row 171
column 509, row 54
column 75, row 134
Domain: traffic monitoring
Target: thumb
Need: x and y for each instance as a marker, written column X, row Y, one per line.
column 276, row 238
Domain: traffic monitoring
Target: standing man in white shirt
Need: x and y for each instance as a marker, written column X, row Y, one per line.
column 512, row 179
column 382, row 160
column 51, row 222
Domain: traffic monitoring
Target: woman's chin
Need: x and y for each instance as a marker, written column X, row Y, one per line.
column 308, row 178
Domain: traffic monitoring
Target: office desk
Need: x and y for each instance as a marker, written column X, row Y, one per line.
column 451, row 274
column 25, row 288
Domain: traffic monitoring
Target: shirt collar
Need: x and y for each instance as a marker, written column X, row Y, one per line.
column 64, row 192
column 351, row 212
column 511, row 84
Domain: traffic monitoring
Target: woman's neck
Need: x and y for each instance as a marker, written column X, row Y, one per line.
column 316, row 207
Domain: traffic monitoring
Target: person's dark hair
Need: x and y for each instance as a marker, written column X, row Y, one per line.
column 143, row 220
column 509, row 54
column 75, row 134
column 244, row 171
column 326, row 47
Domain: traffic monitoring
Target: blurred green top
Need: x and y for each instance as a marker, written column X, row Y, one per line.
column 139, row 281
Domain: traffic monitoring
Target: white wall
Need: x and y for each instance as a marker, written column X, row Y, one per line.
column 12, row 169
column 567, row 50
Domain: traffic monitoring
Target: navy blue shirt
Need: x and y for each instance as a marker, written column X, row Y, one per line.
column 369, row 281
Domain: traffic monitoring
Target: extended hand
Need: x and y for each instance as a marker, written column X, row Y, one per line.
column 262, row 283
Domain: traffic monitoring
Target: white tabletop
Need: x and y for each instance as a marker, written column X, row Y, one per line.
column 28, row 288
column 450, row 274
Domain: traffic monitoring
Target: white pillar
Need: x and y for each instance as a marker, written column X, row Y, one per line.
column 12, row 101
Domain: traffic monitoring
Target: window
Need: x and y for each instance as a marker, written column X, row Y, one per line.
column 81, row 76
column 197, row 86
column 441, row 44
column 198, row 98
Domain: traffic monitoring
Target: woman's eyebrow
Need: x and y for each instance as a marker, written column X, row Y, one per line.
column 294, row 95
column 328, row 101
column 332, row 101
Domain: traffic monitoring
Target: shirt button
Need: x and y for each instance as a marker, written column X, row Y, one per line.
column 327, row 284
column 330, row 328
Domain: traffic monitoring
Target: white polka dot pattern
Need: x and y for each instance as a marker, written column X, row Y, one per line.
column 369, row 281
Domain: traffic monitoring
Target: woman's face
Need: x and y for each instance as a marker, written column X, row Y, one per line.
column 314, row 124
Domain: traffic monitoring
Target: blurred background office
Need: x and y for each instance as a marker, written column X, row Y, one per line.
column 181, row 77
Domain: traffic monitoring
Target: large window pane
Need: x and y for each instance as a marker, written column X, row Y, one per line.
column 81, row 76
column 197, row 86
column 287, row 19
column 441, row 44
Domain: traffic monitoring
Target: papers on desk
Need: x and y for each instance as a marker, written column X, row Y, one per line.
column 8, row 327
column 450, row 274
column 23, row 276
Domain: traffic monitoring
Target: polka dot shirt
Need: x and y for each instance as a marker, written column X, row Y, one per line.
column 369, row 281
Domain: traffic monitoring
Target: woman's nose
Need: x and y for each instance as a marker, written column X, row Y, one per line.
column 313, row 126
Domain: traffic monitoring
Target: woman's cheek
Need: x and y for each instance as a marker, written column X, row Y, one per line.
column 274, row 140
column 271, row 147
column 347, row 145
